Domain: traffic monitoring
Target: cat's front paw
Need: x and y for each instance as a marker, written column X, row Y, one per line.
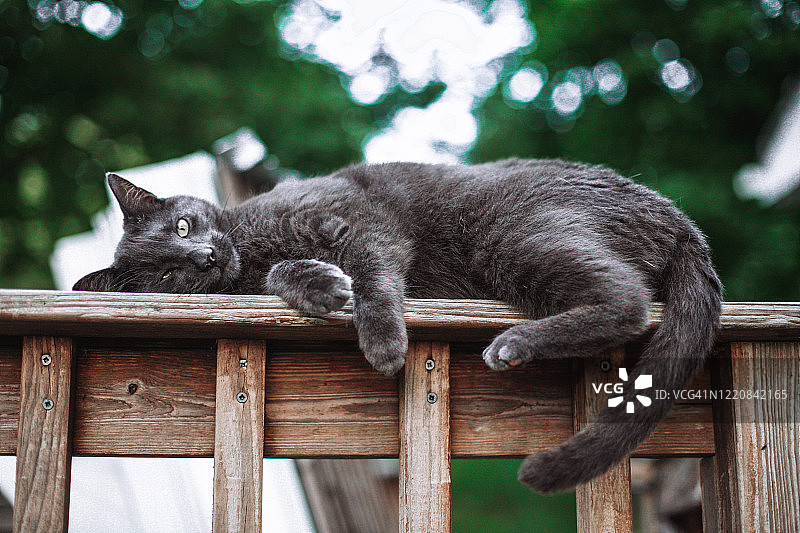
column 384, row 344
column 387, row 356
column 508, row 349
column 312, row 287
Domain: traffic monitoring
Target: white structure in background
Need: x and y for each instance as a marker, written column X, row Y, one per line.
column 411, row 43
column 77, row 255
column 154, row 495
column 778, row 172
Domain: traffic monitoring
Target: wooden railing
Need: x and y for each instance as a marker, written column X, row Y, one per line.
column 244, row 377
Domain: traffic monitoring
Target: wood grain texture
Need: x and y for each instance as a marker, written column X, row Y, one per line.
column 425, row 498
column 10, row 363
column 709, row 495
column 767, row 436
column 43, row 445
column 156, row 398
column 224, row 316
column 604, row 504
column 718, row 474
column 239, row 436
column 327, row 401
column 149, row 399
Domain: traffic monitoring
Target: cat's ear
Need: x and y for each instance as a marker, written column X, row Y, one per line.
column 104, row 280
column 132, row 200
column 334, row 230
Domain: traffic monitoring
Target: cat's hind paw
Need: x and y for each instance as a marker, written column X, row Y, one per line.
column 506, row 351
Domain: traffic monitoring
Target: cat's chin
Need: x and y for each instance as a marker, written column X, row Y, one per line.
column 227, row 275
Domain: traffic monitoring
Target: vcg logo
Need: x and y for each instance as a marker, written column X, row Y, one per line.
column 645, row 381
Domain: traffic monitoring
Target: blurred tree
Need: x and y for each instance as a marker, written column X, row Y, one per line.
column 175, row 76
column 687, row 146
column 171, row 81
column 178, row 75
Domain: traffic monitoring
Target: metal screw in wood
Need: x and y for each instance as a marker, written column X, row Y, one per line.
column 430, row 364
column 243, row 363
column 605, row 365
column 47, row 403
column 46, row 359
column 241, row 397
column 432, row 397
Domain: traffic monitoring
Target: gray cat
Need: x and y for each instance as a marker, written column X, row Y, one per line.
column 579, row 249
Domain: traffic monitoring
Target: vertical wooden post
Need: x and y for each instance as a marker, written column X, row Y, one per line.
column 718, row 473
column 425, row 439
column 44, row 455
column 604, row 504
column 709, row 495
column 765, row 435
column 239, row 436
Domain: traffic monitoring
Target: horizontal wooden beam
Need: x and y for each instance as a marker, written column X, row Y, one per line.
column 99, row 314
column 157, row 398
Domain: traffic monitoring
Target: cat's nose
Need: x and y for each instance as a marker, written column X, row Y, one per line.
column 203, row 258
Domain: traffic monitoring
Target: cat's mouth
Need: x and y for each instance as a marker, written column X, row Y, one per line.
column 217, row 265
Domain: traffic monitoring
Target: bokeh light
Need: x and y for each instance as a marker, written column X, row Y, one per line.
column 526, row 83
column 611, row 83
column 772, row 8
column 681, row 78
column 101, row 20
column 738, row 60
column 98, row 18
column 566, row 98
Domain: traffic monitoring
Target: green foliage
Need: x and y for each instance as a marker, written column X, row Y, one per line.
column 74, row 106
column 173, row 80
column 689, row 151
column 487, row 498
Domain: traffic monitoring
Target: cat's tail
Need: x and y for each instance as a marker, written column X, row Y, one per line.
column 693, row 298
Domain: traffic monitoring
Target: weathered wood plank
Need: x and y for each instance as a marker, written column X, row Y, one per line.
column 327, row 401
column 766, row 435
column 718, row 473
column 41, row 501
column 425, row 439
column 10, row 363
column 604, row 504
column 150, row 399
column 710, row 495
column 136, row 397
column 218, row 316
column 239, row 436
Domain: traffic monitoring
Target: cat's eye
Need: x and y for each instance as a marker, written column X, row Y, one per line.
column 182, row 229
column 166, row 274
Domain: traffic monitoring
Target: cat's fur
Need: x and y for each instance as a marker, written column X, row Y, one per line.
column 579, row 249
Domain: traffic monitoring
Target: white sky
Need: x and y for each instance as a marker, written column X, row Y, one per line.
column 425, row 41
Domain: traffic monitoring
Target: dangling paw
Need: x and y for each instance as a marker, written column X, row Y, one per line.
column 384, row 347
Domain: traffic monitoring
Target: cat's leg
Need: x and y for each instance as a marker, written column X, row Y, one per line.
column 594, row 302
column 378, row 304
column 316, row 288
column 310, row 286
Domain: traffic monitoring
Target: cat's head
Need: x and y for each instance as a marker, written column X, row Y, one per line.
column 178, row 244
